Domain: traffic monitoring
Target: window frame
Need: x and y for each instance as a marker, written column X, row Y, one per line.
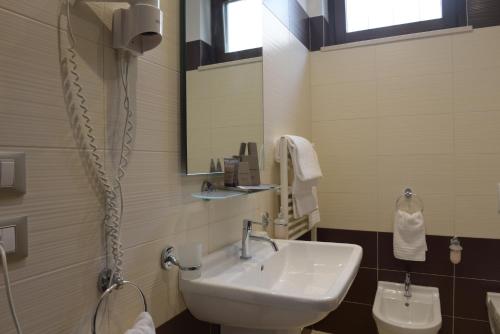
column 219, row 39
column 454, row 15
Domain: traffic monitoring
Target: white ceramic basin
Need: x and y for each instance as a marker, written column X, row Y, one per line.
column 396, row 314
column 289, row 289
column 493, row 304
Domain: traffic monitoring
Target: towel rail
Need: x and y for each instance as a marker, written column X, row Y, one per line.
column 108, row 291
column 286, row 226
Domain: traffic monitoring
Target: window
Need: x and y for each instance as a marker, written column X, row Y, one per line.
column 242, row 25
column 369, row 14
column 357, row 20
column 236, row 29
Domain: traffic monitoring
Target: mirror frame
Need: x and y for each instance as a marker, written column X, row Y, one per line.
column 183, row 88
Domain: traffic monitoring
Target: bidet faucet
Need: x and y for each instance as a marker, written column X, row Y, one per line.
column 247, row 236
column 407, row 286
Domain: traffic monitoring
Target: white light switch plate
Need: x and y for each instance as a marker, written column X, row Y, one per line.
column 14, row 172
column 14, row 235
column 7, row 173
column 8, row 238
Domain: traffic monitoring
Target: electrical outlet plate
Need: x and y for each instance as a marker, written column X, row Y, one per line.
column 20, row 172
column 15, row 236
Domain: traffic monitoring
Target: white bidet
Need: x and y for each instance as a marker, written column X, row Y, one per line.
column 396, row 314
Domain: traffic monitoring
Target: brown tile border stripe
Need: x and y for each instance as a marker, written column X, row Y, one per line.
column 184, row 323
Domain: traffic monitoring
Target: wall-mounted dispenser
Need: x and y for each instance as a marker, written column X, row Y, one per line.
column 138, row 28
column 455, row 251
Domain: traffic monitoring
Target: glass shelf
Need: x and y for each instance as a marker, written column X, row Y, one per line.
column 221, row 194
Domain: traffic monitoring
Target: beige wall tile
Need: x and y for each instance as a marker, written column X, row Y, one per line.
column 85, row 17
column 347, row 65
column 416, row 134
column 426, row 174
column 414, row 57
column 477, row 90
column 351, row 211
column 477, row 216
column 158, row 118
column 348, row 174
column 477, row 174
column 59, row 302
column 415, row 95
column 33, row 109
column 345, row 137
column 477, row 132
column 344, row 101
column 477, row 49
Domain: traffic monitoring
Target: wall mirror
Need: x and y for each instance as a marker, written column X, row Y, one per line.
column 221, row 81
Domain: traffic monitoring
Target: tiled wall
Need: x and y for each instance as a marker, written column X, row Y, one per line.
column 462, row 287
column 286, row 88
column 55, row 287
column 293, row 16
column 287, row 110
column 423, row 113
column 225, row 107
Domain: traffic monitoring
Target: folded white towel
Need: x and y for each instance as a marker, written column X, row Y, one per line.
column 306, row 174
column 304, row 158
column 409, row 241
column 143, row 325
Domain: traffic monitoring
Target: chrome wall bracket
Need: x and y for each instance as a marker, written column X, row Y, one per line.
column 106, row 279
column 168, row 260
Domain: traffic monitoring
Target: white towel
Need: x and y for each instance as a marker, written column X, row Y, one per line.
column 304, row 158
column 409, row 241
column 143, row 325
column 306, row 174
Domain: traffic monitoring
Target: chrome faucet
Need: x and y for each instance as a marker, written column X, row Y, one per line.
column 247, row 236
column 407, row 286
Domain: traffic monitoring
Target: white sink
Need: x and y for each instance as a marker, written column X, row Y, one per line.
column 396, row 314
column 273, row 291
column 493, row 304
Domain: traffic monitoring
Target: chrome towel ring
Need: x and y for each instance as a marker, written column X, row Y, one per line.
column 409, row 195
column 108, row 291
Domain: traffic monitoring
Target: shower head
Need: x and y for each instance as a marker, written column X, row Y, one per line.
column 138, row 28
